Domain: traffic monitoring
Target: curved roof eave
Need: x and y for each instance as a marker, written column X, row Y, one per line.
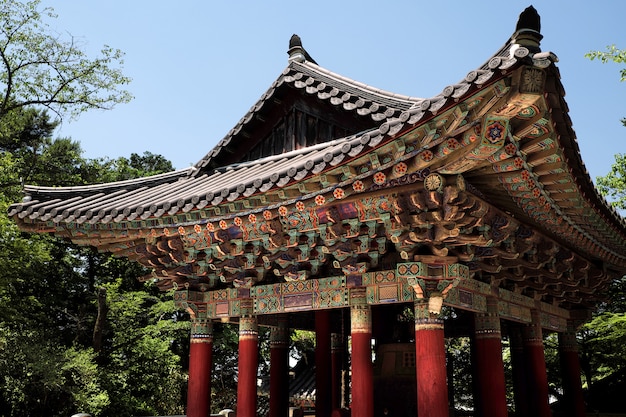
column 187, row 190
column 194, row 189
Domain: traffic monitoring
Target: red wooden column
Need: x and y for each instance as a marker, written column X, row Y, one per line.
column 431, row 277
column 535, row 362
column 362, row 398
column 279, row 369
column 518, row 365
column 430, row 362
column 489, row 365
column 573, row 400
column 248, row 365
column 323, row 382
column 200, row 364
column 336, row 358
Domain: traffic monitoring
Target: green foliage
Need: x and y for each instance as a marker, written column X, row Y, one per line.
column 136, row 166
column 459, row 366
column 78, row 332
column 40, row 68
column 140, row 358
column 605, row 341
column 49, row 298
column 224, row 378
column 302, row 344
column 612, row 54
column 613, row 184
column 83, row 381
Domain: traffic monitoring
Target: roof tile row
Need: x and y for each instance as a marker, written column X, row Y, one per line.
column 194, row 188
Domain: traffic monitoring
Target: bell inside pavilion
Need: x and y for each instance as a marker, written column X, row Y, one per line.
column 341, row 208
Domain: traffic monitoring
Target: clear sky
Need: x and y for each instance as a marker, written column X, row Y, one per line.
column 198, row 65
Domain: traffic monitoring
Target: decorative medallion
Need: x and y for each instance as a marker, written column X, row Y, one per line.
column 400, row 168
column 434, row 182
column 223, row 225
column 338, row 193
column 358, row 186
column 252, row 218
column 197, row 228
column 380, row 178
column 528, row 112
column 532, row 81
column 282, row 210
column 427, row 155
column 495, row 132
column 238, row 222
column 210, row 227
column 300, row 206
column 320, row 200
column 267, row 215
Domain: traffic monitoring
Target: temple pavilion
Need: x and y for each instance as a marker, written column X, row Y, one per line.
column 336, row 206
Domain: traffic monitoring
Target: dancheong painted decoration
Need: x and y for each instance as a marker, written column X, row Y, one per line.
column 335, row 205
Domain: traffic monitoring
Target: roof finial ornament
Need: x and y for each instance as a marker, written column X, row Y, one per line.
column 297, row 52
column 527, row 32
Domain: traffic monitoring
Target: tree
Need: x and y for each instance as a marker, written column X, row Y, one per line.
column 50, row 364
column 40, row 68
column 602, row 340
column 613, row 184
column 612, row 54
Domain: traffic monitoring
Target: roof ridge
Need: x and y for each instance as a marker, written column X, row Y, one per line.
column 369, row 88
column 114, row 184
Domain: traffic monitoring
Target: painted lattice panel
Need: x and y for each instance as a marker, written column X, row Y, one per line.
column 268, row 304
column 337, row 297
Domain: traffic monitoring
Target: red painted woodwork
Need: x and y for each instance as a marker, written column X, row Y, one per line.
column 362, row 403
column 490, row 376
column 573, row 399
column 247, row 374
column 199, row 384
column 323, row 375
column 336, row 357
column 518, row 365
column 430, row 364
column 537, row 378
column 279, row 380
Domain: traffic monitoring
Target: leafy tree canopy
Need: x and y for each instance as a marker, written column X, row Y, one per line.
column 39, row 67
column 612, row 54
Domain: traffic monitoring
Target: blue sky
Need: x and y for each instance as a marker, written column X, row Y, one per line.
column 198, row 66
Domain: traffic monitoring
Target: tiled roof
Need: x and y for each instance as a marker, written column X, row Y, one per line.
column 191, row 188
column 339, row 91
column 527, row 172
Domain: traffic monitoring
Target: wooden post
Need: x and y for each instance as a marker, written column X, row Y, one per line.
column 521, row 395
column 536, row 367
column 336, row 352
column 489, row 364
column 323, row 382
column 200, row 364
column 248, row 365
column 279, row 369
column 430, row 363
column 362, row 399
column 573, row 400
